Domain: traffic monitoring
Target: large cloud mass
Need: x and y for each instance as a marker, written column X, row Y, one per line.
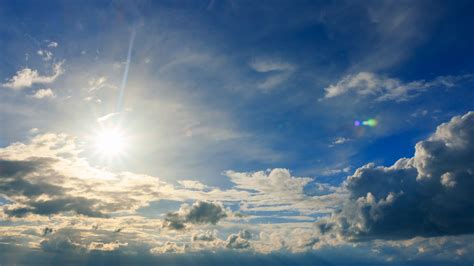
column 427, row 195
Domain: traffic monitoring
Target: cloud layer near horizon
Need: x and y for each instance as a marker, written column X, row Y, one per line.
column 54, row 200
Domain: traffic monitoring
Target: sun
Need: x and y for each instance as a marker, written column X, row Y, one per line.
column 110, row 142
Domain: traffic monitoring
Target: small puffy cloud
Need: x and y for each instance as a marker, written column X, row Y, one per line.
column 205, row 236
column 200, row 212
column 385, row 88
column 168, row 247
column 27, row 77
column 427, row 195
column 239, row 241
column 45, row 54
column 53, row 45
column 339, row 141
column 106, row 246
column 44, row 93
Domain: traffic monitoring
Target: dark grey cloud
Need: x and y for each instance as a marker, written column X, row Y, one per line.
column 77, row 205
column 205, row 212
column 200, row 212
column 427, row 195
column 13, row 174
column 14, row 184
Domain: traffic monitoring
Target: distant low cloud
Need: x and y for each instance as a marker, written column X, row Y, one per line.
column 239, row 241
column 27, row 77
column 44, row 93
column 427, row 195
column 200, row 212
column 383, row 88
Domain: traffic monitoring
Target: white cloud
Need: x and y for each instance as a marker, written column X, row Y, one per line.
column 27, row 77
column 44, row 93
column 340, row 140
column 45, row 54
column 427, row 195
column 387, row 89
column 276, row 72
column 53, row 45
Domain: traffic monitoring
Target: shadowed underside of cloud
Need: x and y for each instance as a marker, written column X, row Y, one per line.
column 38, row 197
column 200, row 212
column 427, row 195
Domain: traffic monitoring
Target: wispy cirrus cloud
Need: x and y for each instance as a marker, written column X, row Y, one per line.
column 382, row 88
column 276, row 72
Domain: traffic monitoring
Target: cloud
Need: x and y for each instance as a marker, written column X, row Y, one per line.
column 427, row 195
column 27, row 77
column 387, row 89
column 168, row 247
column 106, row 246
column 205, row 236
column 44, row 93
column 239, row 241
column 192, row 184
column 53, row 45
column 200, row 212
column 45, row 54
column 30, row 196
column 276, row 72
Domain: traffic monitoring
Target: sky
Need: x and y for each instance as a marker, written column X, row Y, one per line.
column 236, row 132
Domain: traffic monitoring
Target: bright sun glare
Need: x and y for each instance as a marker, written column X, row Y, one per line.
column 110, row 142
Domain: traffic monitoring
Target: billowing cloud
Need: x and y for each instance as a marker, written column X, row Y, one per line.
column 239, row 241
column 387, row 89
column 205, row 236
column 27, row 77
column 427, row 195
column 200, row 212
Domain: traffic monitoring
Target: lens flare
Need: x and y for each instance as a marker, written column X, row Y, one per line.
column 370, row 123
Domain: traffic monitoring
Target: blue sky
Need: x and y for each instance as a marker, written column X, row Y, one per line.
column 236, row 134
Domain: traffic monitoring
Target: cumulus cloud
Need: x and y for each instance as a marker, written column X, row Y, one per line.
column 168, row 247
column 106, row 246
column 38, row 197
column 44, row 93
column 239, row 241
column 205, row 236
column 427, row 195
column 383, row 88
column 200, row 212
column 27, row 77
